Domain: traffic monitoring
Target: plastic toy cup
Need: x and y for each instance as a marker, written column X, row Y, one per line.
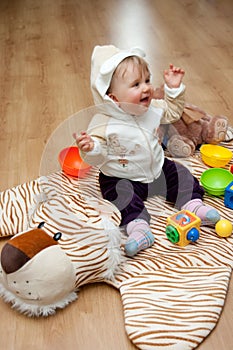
column 215, row 180
column 71, row 162
column 215, row 155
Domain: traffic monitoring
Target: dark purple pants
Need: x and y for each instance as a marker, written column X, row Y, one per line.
column 175, row 183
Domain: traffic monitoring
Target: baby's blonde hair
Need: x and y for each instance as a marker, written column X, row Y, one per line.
column 121, row 69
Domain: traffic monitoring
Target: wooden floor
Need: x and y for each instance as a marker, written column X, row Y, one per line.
column 45, row 48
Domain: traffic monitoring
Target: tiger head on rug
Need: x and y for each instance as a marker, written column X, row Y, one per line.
column 41, row 271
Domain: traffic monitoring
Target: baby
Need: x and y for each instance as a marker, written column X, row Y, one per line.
column 122, row 141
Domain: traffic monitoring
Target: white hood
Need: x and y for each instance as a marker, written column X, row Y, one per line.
column 104, row 61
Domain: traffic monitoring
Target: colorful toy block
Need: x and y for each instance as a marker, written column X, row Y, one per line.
column 228, row 196
column 183, row 228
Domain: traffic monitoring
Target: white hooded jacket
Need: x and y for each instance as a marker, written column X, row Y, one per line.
column 125, row 145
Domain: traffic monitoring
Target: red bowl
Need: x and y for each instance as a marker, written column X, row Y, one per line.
column 71, row 162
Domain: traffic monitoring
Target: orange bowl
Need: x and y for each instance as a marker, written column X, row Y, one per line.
column 71, row 162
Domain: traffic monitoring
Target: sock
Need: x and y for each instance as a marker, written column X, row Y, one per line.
column 207, row 214
column 140, row 237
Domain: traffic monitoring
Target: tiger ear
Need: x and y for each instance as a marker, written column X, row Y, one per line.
column 41, row 224
column 57, row 236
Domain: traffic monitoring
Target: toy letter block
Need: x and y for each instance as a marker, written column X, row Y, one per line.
column 228, row 196
column 183, row 228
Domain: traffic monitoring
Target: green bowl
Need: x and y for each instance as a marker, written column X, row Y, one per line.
column 215, row 180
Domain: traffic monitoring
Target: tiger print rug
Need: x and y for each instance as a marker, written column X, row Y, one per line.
column 172, row 296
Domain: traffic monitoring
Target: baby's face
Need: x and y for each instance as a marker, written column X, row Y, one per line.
column 132, row 91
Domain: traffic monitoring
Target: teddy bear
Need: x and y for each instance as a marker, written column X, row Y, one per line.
column 194, row 128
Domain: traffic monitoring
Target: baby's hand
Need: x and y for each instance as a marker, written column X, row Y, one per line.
column 173, row 76
column 84, row 141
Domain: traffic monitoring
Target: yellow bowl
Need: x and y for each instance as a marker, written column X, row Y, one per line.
column 215, row 156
